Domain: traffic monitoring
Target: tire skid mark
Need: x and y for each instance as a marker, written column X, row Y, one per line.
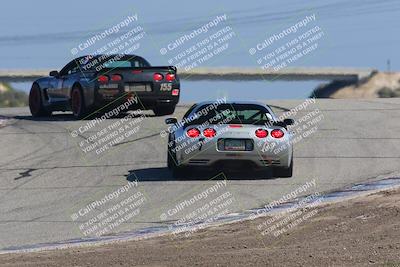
column 25, row 156
column 82, row 166
column 24, row 174
column 31, row 154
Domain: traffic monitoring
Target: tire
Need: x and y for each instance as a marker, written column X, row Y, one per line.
column 162, row 110
column 170, row 160
column 78, row 103
column 284, row 172
column 178, row 172
column 36, row 102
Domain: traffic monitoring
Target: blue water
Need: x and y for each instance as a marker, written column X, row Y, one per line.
column 245, row 90
column 195, row 91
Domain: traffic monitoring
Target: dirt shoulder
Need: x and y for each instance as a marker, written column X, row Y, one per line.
column 357, row 232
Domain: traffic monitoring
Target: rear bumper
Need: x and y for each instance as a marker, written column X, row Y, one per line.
column 145, row 100
column 209, row 156
column 151, row 101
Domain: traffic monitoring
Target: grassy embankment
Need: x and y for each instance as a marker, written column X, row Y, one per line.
column 10, row 97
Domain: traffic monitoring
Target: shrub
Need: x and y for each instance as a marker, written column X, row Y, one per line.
column 386, row 92
column 12, row 98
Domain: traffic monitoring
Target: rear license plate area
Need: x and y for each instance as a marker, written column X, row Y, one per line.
column 231, row 144
column 108, row 93
column 137, row 87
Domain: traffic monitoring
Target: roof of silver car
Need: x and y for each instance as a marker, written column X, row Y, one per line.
column 231, row 102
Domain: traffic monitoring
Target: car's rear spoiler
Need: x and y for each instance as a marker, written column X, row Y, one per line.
column 162, row 67
column 159, row 68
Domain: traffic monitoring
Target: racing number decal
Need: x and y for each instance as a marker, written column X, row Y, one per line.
column 166, row 87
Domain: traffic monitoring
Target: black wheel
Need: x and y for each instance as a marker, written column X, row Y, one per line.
column 78, row 103
column 284, row 172
column 163, row 110
column 36, row 102
column 170, row 160
column 178, row 172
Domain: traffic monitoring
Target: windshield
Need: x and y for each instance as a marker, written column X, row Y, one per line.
column 232, row 114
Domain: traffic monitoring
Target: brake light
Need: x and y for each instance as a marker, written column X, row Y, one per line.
column 209, row 132
column 235, row 126
column 102, row 79
column 137, row 71
column 261, row 133
column 116, row 78
column 170, row 77
column 193, row 132
column 157, row 77
column 277, row 133
column 175, row 92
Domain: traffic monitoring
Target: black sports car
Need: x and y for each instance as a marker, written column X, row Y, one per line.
column 91, row 83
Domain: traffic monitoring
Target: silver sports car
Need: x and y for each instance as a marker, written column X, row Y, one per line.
column 230, row 135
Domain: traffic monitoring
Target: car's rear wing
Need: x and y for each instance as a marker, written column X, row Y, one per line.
column 139, row 74
column 162, row 67
column 151, row 68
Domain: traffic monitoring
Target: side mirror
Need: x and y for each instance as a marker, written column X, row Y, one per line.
column 54, row 73
column 288, row 121
column 171, row 120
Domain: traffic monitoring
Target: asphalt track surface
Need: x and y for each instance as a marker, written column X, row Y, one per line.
column 45, row 177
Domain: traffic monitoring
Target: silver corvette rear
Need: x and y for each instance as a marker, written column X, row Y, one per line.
column 230, row 135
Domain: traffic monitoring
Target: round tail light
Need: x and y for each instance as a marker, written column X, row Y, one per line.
column 209, row 132
column 193, row 132
column 277, row 133
column 116, row 78
column 261, row 133
column 102, row 79
column 170, row 77
column 158, row 77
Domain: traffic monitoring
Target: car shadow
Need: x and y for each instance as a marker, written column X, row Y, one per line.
column 55, row 117
column 70, row 117
column 164, row 174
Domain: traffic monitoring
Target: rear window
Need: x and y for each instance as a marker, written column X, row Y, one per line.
column 133, row 63
column 118, row 64
column 232, row 114
column 112, row 62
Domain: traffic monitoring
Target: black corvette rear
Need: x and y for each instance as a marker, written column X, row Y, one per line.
column 97, row 83
column 157, row 88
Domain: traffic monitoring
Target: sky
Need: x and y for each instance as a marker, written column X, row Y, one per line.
column 356, row 34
